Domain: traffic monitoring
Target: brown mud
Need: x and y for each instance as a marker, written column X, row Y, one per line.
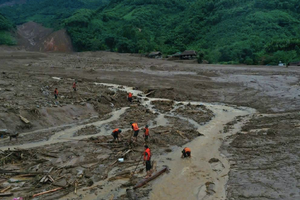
column 72, row 134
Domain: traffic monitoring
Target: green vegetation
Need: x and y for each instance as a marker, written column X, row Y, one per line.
column 5, row 27
column 50, row 13
column 224, row 31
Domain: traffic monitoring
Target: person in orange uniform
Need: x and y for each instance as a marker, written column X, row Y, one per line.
column 130, row 97
column 74, row 86
column 186, row 152
column 116, row 133
column 146, row 133
column 136, row 130
column 147, row 161
column 55, row 93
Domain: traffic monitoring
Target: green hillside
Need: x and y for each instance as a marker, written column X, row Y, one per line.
column 5, row 27
column 223, row 31
column 232, row 31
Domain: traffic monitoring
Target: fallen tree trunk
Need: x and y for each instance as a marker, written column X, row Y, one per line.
column 131, row 195
column 145, row 181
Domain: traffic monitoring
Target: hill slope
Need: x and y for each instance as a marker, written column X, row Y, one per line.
column 231, row 31
column 236, row 31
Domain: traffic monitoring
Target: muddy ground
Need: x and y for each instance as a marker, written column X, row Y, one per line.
column 263, row 155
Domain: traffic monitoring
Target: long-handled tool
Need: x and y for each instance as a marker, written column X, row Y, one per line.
column 137, row 166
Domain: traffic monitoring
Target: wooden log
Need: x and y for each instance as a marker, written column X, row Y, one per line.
column 26, row 175
column 6, row 156
column 154, row 176
column 148, row 94
column 26, row 121
column 89, row 188
column 181, row 134
column 17, row 172
column 5, row 189
column 6, row 194
column 46, row 192
column 131, row 195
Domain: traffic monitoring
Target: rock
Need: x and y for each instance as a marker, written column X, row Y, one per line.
column 87, row 174
column 61, row 183
column 168, row 150
column 200, row 134
column 213, row 160
column 89, row 182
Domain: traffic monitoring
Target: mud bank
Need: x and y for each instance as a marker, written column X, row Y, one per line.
column 26, row 85
column 264, row 158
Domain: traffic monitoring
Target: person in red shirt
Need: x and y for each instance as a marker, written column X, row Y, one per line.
column 130, row 97
column 147, row 161
column 135, row 129
column 55, row 93
column 146, row 133
column 186, row 152
column 116, row 133
column 74, row 86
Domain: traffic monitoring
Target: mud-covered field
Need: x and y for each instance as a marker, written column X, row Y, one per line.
column 237, row 153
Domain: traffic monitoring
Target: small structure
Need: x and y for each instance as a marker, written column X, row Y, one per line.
column 176, row 55
column 294, row 63
column 157, row 54
column 188, row 54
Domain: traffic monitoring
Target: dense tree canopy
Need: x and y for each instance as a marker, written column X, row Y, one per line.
column 224, row 31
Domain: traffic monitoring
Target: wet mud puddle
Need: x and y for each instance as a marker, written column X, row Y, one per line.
column 204, row 176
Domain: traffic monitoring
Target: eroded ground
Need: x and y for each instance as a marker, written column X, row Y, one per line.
column 262, row 156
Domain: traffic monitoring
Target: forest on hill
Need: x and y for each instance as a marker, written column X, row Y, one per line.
column 222, row 31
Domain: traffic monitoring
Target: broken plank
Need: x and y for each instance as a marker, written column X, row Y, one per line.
column 181, row 134
column 5, row 189
column 26, row 121
column 145, row 181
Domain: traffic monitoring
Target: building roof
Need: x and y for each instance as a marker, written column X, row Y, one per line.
column 176, row 54
column 189, row 53
column 154, row 53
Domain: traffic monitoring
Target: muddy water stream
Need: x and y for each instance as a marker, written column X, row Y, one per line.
column 63, row 136
column 188, row 178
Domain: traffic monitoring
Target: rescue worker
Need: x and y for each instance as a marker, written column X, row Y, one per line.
column 74, row 86
column 55, row 93
column 130, row 97
column 186, row 152
column 135, row 129
column 146, row 133
column 147, row 161
column 116, row 133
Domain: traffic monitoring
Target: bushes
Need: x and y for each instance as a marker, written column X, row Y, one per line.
column 6, row 38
